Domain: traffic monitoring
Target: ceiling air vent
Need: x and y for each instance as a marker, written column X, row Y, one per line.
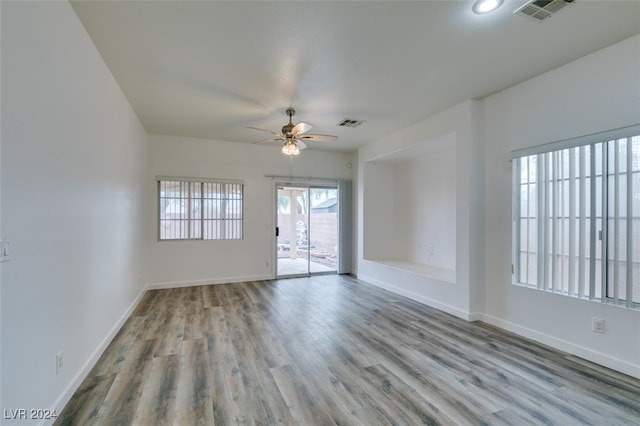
column 349, row 122
column 540, row 10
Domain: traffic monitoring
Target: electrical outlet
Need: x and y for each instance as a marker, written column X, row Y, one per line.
column 597, row 325
column 59, row 362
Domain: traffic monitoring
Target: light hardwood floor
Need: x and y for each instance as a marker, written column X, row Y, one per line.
column 331, row 350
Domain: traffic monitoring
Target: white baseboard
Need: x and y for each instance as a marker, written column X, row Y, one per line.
column 66, row 395
column 467, row 316
column 577, row 350
column 228, row 280
column 71, row 388
column 582, row 352
column 475, row 316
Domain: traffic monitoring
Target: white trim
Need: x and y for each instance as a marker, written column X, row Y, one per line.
column 197, row 179
column 562, row 345
column 467, row 316
column 623, row 132
column 345, row 226
column 475, row 316
column 82, row 374
column 227, row 280
column 302, row 180
column 629, row 222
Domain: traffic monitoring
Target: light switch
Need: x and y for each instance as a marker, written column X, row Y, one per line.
column 4, row 249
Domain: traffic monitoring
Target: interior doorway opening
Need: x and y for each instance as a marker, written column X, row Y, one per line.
column 306, row 230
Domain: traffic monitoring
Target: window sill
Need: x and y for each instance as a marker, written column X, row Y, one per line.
column 429, row 271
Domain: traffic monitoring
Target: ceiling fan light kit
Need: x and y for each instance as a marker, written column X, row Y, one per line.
column 290, row 148
column 292, row 135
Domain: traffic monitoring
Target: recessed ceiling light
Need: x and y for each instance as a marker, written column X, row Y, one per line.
column 486, row 6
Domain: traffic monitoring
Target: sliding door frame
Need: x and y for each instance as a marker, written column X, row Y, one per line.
column 307, row 186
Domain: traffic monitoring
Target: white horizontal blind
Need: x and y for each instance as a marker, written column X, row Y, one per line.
column 577, row 221
column 189, row 209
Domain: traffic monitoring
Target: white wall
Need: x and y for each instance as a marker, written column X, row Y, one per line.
column 175, row 263
column 379, row 214
column 409, row 212
column 1, row 405
column 75, row 191
column 429, row 186
column 73, row 169
column 456, row 130
column 596, row 93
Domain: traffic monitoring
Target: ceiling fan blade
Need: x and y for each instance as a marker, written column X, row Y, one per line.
column 300, row 128
column 269, row 140
column 265, row 130
column 319, row 138
column 301, row 145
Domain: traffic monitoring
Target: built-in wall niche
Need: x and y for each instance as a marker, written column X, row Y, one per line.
column 409, row 214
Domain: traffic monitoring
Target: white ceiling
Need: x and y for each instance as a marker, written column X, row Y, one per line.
column 208, row 69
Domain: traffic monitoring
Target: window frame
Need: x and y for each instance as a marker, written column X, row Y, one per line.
column 228, row 186
column 602, row 177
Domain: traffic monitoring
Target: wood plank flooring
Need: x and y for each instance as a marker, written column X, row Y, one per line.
column 330, row 350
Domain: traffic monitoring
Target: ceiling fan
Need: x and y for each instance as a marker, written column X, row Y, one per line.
column 294, row 135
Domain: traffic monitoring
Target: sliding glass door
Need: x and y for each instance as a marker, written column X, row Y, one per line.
column 307, row 230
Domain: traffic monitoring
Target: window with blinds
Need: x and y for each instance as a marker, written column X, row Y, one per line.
column 199, row 209
column 577, row 219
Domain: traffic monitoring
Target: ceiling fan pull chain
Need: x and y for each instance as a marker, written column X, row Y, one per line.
column 291, row 169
